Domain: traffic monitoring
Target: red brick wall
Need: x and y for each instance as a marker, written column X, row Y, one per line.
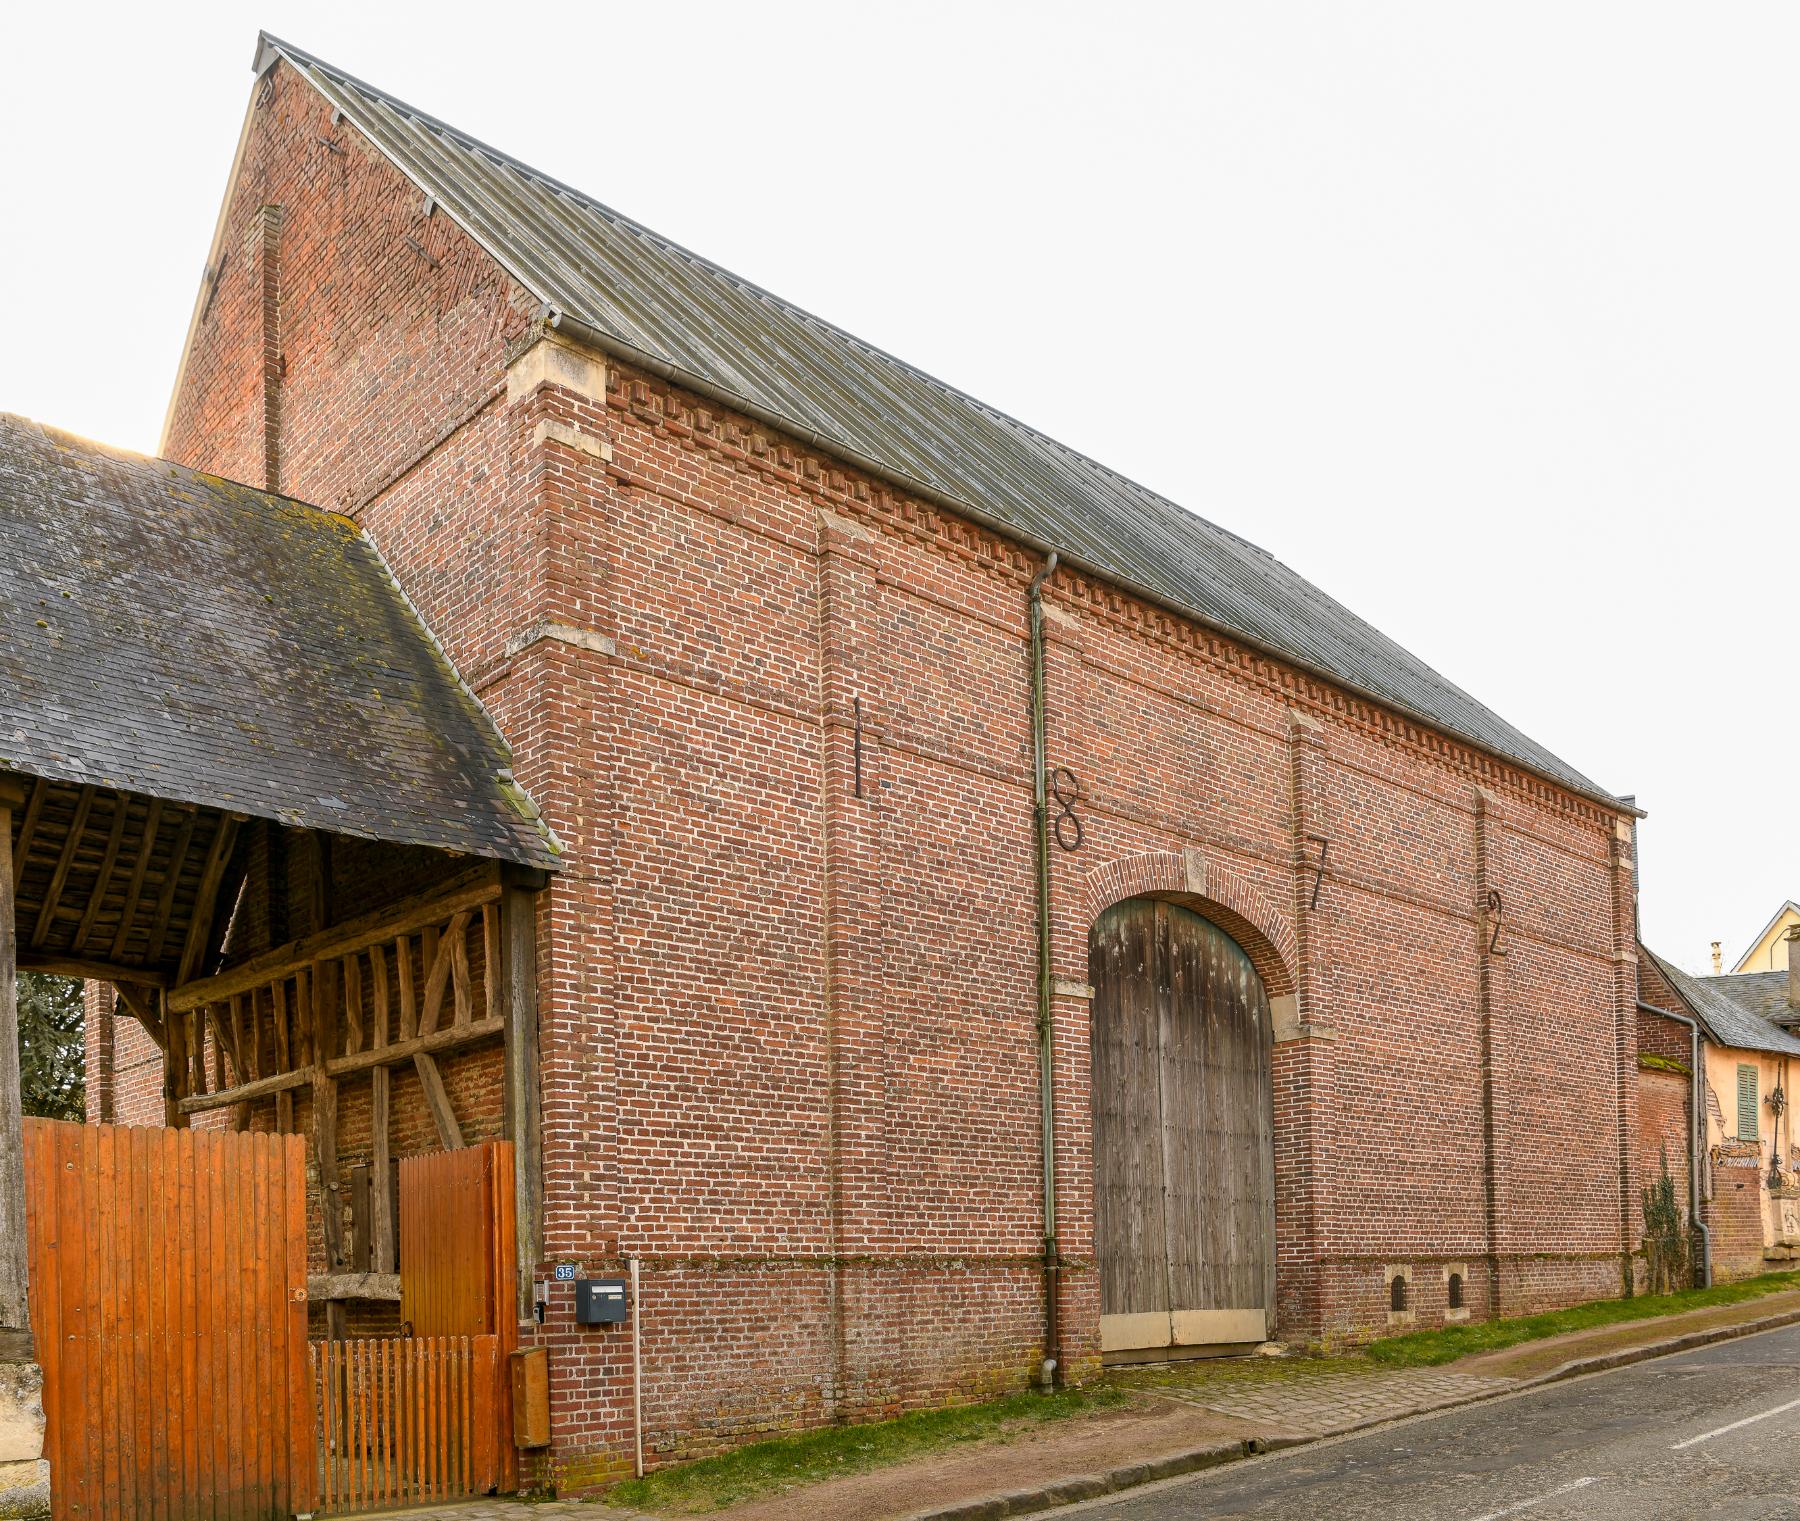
column 1663, row 1128
column 787, row 1032
column 1735, row 1218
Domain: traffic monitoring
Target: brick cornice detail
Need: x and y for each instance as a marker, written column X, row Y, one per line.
column 757, row 450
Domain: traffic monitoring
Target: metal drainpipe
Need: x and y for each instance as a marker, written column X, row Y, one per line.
column 1046, row 1029
column 1696, row 1134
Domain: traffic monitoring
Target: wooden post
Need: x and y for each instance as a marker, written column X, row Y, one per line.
column 381, row 1214
column 517, row 985
column 319, row 1012
column 15, row 1315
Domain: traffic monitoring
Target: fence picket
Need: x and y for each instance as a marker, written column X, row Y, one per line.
column 405, row 1420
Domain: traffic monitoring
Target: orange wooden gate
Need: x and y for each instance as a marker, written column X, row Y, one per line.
column 406, row 1420
column 459, row 1261
column 458, row 1258
column 168, row 1294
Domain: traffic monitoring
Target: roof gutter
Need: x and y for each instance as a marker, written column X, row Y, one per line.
column 1696, row 1133
column 573, row 327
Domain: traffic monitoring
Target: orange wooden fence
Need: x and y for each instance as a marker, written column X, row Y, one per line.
column 168, row 1294
column 406, row 1420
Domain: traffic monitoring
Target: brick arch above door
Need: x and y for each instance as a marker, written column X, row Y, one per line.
column 1215, row 892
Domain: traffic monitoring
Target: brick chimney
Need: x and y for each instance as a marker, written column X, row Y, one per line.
column 1718, row 959
column 1793, row 942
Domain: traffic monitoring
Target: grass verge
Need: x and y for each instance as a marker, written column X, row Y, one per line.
column 766, row 1468
column 1423, row 1349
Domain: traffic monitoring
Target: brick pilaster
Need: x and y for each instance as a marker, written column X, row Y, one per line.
column 263, row 246
column 850, row 776
column 1490, row 898
column 1304, row 1063
column 1623, row 885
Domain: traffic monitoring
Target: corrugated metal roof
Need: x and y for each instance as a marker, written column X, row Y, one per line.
column 1736, row 1010
column 650, row 299
column 178, row 635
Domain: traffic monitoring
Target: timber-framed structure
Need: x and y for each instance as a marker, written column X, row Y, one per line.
column 220, row 690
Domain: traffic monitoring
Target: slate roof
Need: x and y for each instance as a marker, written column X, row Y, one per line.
column 604, row 277
column 178, row 635
column 1736, row 1010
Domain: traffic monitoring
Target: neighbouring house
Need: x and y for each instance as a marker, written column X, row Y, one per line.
column 1004, row 921
column 1748, row 1178
column 1768, row 952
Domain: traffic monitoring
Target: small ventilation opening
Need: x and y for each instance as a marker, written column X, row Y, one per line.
column 1456, row 1291
column 1397, row 1293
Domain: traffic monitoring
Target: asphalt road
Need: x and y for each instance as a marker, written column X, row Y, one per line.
column 1712, row 1433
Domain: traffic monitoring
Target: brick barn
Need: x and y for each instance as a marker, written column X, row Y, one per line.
column 1003, row 920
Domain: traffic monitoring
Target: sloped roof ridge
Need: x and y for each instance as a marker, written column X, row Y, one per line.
column 746, row 284
column 1727, row 1021
column 1048, row 493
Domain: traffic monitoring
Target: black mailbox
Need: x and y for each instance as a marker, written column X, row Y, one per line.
column 600, row 1301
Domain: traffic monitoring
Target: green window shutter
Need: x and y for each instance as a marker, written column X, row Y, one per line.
column 1746, row 1102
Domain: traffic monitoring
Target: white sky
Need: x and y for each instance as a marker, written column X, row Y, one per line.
column 1485, row 318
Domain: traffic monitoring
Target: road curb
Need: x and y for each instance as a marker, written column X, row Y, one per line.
column 1067, row 1491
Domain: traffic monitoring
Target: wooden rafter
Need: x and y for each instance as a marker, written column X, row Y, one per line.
column 165, row 901
column 84, row 967
column 212, row 875
column 134, row 891
column 34, row 809
column 467, row 891
column 84, row 801
column 103, row 878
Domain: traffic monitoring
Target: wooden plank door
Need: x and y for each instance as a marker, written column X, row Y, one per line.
column 168, row 1286
column 1183, row 1132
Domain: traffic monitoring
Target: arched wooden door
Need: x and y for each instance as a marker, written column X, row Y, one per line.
column 1184, row 1161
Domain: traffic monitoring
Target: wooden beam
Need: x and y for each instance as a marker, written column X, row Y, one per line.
column 284, row 1101
column 14, row 1264
column 114, row 836
column 165, row 901
column 462, row 993
column 437, row 974
column 27, row 833
column 492, row 957
column 379, row 1287
column 352, row 981
column 515, row 943
column 84, row 801
column 211, row 876
column 140, row 1004
column 469, row 890
column 175, row 1065
column 278, row 1084
column 447, row 1039
column 442, row 1115
column 135, row 891
column 94, row 971
column 409, row 1006
column 394, row 1055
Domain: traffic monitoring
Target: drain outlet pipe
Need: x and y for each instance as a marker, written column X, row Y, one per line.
column 1046, row 991
column 1696, row 1134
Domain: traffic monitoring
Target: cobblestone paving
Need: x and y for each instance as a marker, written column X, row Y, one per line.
column 1326, row 1403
